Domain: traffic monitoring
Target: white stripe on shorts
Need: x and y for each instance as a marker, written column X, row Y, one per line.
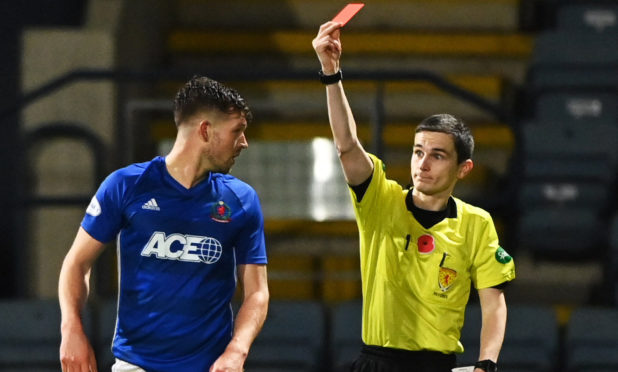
column 122, row 366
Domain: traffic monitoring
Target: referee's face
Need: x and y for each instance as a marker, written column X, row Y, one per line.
column 434, row 166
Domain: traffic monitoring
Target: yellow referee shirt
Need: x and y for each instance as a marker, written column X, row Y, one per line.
column 416, row 281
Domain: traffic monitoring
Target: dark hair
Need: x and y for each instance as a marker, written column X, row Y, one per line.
column 203, row 93
column 449, row 124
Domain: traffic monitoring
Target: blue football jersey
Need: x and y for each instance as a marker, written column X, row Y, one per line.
column 177, row 254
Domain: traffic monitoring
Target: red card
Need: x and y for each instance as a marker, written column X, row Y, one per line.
column 347, row 13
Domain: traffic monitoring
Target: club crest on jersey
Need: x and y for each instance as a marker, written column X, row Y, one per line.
column 446, row 277
column 221, row 212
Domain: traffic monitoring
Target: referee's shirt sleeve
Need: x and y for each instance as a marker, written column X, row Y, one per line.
column 492, row 265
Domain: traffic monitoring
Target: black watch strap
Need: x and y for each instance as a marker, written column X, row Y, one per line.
column 330, row 79
column 486, row 365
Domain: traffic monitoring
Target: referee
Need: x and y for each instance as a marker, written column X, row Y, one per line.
column 420, row 248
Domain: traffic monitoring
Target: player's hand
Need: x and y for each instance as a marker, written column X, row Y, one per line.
column 76, row 353
column 229, row 361
column 327, row 45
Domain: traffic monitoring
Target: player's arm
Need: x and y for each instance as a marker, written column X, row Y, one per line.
column 249, row 319
column 357, row 166
column 494, row 312
column 76, row 353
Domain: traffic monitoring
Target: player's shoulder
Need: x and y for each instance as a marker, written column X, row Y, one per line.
column 131, row 173
column 134, row 169
column 235, row 185
column 231, row 181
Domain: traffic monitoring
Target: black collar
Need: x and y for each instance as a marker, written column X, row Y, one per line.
column 429, row 218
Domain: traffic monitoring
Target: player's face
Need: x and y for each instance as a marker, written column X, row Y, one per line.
column 434, row 164
column 228, row 140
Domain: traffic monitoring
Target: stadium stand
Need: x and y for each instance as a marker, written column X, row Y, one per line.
column 567, row 142
column 104, row 328
column 531, row 342
column 293, row 338
column 346, row 341
column 565, row 187
column 591, row 340
column 575, row 61
column 598, row 16
column 610, row 278
column 29, row 335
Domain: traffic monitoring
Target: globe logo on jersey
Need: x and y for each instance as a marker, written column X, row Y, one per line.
column 183, row 247
column 209, row 250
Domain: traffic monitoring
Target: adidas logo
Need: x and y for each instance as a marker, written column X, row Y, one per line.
column 152, row 205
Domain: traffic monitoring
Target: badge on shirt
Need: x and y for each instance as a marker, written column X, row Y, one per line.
column 446, row 275
column 426, row 244
column 502, row 256
column 94, row 208
column 221, row 212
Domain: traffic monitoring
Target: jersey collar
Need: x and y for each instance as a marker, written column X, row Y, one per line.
column 429, row 218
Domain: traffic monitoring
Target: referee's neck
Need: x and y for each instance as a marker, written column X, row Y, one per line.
column 434, row 203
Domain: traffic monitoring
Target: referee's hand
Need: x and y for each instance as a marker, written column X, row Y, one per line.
column 327, row 45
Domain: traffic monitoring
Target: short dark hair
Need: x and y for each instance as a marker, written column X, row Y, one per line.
column 203, row 93
column 449, row 124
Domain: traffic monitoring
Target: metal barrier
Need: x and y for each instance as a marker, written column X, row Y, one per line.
column 377, row 122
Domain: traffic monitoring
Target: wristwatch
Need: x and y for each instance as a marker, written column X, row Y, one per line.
column 486, row 365
column 330, row 79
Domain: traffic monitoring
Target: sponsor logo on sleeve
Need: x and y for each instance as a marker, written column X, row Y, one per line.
column 94, row 208
column 502, row 256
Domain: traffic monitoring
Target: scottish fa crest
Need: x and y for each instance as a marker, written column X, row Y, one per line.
column 446, row 275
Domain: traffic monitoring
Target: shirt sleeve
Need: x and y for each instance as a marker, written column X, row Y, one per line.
column 251, row 246
column 103, row 218
column 492, row 264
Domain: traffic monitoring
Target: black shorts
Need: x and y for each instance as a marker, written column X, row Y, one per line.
column 383, row 359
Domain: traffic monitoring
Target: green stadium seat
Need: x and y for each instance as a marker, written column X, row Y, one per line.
column 530, row 343
column 292, row 339
column 346, row 340
column 30, row 335
column 592, row 340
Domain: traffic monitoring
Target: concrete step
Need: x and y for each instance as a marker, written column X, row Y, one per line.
column 503, row 54
column 512, row 70
column 487, row 136
column 443, row 36
column 496, row 15
column 394, row 43
column 403, row 100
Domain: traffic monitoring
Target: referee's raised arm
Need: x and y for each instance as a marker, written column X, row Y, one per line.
column 357, row 166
